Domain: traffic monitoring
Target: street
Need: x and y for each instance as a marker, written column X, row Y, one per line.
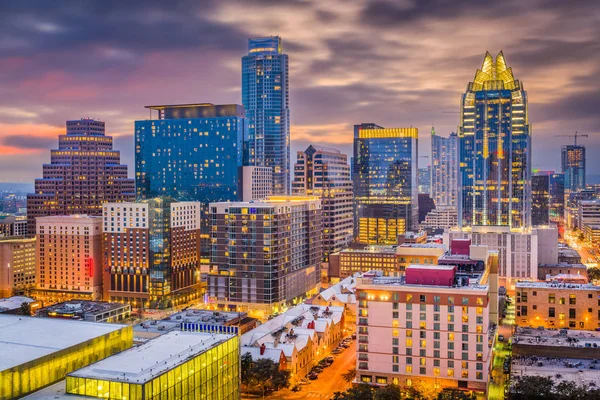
column 583, row 248
column 330, row 380
column 496, row 388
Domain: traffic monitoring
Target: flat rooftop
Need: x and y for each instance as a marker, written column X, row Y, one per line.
column 24, row 339
column 554, row 337
column 82, row 306
column 144, row 363
column 196, row 316
column 557, row 285
column 13, row 303
column 560, row 370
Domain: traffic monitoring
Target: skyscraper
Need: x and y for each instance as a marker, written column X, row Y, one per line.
column 265, row 95
column 151, row 252
column 385, row 182
column 323, row 172
column 540, row 200
column 84, row 172
column 495, row 149
column 557, row 196
column 265, row 254
column 425, row 180
column 573, row 166
column 444, row 169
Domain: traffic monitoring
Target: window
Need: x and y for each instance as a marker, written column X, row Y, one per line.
column 479, row 367
column 450, row 300
column 572, row 313
column 436, row 371
column 551, row 312
column 436, row 326
column 465, row 301
column 395, row 350
column 366, row 378
column 409, row 343
column 436, row 335
column 450, row 372
column 423, row 343
column 423, row 361
column 450, row 345
column 395, row 368
column 409, row 360
column 523, row 311
column 436, row 299
column 423, row 316
column 409, row 369
column 422, row 334
column 436, row 354
column 450, row 327
column 422, row 298
column 408, row 315
column 409, row 298
column 479, row 375
column 572, row 299
column 381, row 380
column 423, row 370
column 450, row 354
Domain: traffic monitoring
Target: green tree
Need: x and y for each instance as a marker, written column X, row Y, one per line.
column 263, row 374
column 390, row 392
column 532, row 388
column 358, row 392
column 25, row 309
column 455, row 394
column 350, row 375
column 593, row 273
column 246, row 364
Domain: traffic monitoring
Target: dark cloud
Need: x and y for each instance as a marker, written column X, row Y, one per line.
column 29, row 142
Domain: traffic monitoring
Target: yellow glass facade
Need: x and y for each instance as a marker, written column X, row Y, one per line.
column 212, row 375
column 380, row 230
column 387, row 133
column 31, row 376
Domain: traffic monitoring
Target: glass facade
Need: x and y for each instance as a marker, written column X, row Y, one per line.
column 573, row 167
column 265, row 96
column 444, row 169
column 385, row 182
column 212, row 375
column 540, row 200
column 495, row 149
column 29, row 377
column 557, row 197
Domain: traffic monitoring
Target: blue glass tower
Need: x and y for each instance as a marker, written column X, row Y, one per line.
column 265, row 96
column 191, row 152
column 494, row 149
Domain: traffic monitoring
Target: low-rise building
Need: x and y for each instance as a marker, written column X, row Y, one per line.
column 592, row 234
column 173, row 366
column 17, row 266
column 567, row 255
column 413, row 237
column 557, row 304
column 421, row 253
column 36, row 352
column 547, row 271
column 84, row 310
column 430, row 329
column 14, row 305
column 342, row 294
column 440, row 218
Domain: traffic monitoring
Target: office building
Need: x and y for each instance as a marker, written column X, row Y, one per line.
column 440, row 219
column 592, row 234
column 265, row 95
column 557, row 197
column 177, row 365
column 255, row 183
column 557, row 304
column 439, row 335
column 444, row 169
column 385, row 182
column 540, row 200
column 17, row 266
column 84, row 310
column 69, row 258
column 36, row 352
column 494, row 149
column 323, row 172
column 589, row 213
column 573, row 202
column 426, row 205
column 265, row 255
column 425, row 180
column 12, row 226
column 573, row 167
column 151, row 252
column 519, row 252
column 84, row 172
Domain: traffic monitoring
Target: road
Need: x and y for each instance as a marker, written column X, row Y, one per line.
column 583, row 248
column 496, row 388
column 329, row 382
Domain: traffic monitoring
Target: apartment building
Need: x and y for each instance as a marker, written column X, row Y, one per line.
column 17, row 266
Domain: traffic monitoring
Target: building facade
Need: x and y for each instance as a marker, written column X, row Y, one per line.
column 265, row 255
column 84, row 172
column 557, row 197
column 69, row 258
column 255, row 183
column 429, row 330
column 11, row 226
column 444, row 169
column 385, row 182
column 325, row 173
column 17, row 266
column 151, row 252
column 540, row 200
column 588, row 213
column 440, row 219
column 425, row 180
column 573, row 167
column 494, row 149
column 265, row 95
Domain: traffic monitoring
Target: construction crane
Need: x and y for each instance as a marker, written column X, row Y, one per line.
column 575, row 136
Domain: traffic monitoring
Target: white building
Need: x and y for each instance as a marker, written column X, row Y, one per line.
column 441, row 218
column 588, row 213
column 255, row 183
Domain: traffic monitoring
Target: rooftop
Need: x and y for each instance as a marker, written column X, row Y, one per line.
column 23, row 339
column 453, row 280
column 174, row 321
column 80, row 307
column 560, row 370
column 556, row 285
column 13, row 303
column 390, row 249
column 144, row 363
column 556, row 337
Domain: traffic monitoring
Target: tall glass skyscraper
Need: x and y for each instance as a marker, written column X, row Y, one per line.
column 495, row 149
column 265, row 96
column 385, row 182
column 444, row 169
column 573, row 166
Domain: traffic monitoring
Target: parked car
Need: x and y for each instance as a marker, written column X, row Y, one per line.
column 501, row 338
column 317, row 369
column 313, row 375
column 330, row 359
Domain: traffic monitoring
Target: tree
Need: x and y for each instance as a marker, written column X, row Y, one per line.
column 25, row 309
column 390, row 392
column 455, row 394
column 263, row 374
column 532, row 387
column 358, row 392
column 350, row 375
column 593, row 273
column 246, row 363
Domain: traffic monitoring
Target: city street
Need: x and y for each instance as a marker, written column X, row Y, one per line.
column 330, row 380
column 496, row 389
column 583, row 248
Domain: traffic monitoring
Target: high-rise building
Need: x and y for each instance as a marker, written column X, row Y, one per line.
column 265, row 255
column 540, row 200
column 69, row 264
column 425, row 180
column 430, row 329
column 440, row 219
column 255, row 183
column 444, row 169
column 323, row 172
column 13, row 226
column 192, row 152
column 573, row 166
column 265, row 95
column 494, row 149
column 84, row 172
column 589, row 213
column 151, row 252
column 557, row 197
column 17, row 266
column 385, row 182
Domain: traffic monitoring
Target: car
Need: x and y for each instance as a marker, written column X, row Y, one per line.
column 312, row 376
column 317, row 369
column 501, row 338
column 329, row 358
column 354, row 335
column 296, row 388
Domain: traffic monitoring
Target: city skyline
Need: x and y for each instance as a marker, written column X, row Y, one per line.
column 337, row 78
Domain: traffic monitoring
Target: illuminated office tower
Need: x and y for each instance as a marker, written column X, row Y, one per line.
column 151, row 252
column 265, row 254
column 557, row 196
column 324, row 172
column 385, row 182
column 84, row 172
column 17, row 266
column 494, row 149
column 444, row 169
column 573, row 166
column 265, row 95
column 540, row 199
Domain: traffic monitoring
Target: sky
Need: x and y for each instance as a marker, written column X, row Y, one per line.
column 395, row 63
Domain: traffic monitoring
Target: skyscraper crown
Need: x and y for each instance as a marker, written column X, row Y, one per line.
column 494, row 75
